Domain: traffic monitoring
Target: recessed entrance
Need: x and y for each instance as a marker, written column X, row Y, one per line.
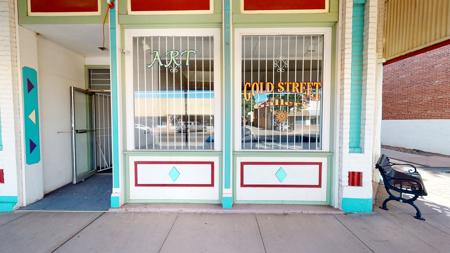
column 73, row 82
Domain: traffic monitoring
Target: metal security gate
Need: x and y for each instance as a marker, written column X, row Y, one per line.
column 91, row 132
column 102, row 112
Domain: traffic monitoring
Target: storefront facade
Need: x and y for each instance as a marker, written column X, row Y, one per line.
column 233, row 102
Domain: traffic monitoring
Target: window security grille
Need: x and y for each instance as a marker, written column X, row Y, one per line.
column 281, row 92
column 173, row 89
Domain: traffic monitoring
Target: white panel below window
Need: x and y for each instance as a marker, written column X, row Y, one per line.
column 173, row 179
column 276, row 180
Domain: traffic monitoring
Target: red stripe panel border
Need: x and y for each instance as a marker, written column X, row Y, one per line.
column 268, row 5
column 319, row 185
column 2, row 177
column 63, row 6
column 137, row 163
column 170, row 5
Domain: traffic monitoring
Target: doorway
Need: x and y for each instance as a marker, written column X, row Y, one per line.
column 90, row 133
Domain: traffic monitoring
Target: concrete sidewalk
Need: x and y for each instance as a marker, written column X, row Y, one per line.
column 383, row 231
column 135, row 229
column 424, row 159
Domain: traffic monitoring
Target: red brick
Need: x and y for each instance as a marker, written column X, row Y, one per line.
column 418, row 87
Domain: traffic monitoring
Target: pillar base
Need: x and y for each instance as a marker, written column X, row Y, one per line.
column 227, row 202
column 7, row 203
column 354, row 205
column 115, row 202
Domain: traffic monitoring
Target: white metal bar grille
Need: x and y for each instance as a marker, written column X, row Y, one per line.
column 173, row 92
column 282, row 92
column 102, row 112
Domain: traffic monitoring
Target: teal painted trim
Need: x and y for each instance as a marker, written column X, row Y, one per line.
column 31, row 115
column 115, row 202
column 114, row 97
column 7, row 203
column 355, row 150
column 353, row 205
column 227, row 202
column 356, row 76
column 228, row 94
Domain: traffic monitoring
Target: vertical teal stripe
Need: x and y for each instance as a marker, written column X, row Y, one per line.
column 356, row 76
column 228, row 103
column 114, row 97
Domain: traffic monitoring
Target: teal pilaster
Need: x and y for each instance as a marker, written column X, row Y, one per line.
column 357, row 75
column 115, row 198
column 227, row 199
column 355, row 205
column 7, row 203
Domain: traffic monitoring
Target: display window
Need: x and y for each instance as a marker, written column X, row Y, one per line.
column 281, row 93
column 174, row 92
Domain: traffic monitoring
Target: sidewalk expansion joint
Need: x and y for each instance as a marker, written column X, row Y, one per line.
column 78, row 232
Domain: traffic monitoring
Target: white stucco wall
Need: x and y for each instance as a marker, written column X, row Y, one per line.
column 59, row 68
column 33, row 178
column 427, row 135
column 10, row 120
column 97, row 60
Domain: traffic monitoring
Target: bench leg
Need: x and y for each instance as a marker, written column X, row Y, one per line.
column 384, row 205
column 418, row 213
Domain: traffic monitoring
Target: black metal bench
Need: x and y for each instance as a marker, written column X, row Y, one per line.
column 407, row 184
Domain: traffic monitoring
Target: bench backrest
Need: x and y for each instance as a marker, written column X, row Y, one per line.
column 383, row 165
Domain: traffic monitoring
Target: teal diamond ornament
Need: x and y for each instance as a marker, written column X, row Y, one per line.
column 174, row 174
column 281, row 174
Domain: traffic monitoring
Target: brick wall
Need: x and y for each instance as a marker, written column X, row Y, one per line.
column 418, row 87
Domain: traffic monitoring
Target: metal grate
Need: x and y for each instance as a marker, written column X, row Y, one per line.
column 281, row 92
column 173, row 92
column 102, row 113
column 99, row 79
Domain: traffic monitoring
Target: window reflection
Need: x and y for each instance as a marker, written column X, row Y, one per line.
column 174, row 93
column 281, row 92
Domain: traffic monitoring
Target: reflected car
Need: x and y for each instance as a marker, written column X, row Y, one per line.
column 143, row 128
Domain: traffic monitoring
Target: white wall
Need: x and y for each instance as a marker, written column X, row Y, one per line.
column 427, row 135
column 33, row 175
column 97, row 60
column 59, row 68
column 10, row 120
